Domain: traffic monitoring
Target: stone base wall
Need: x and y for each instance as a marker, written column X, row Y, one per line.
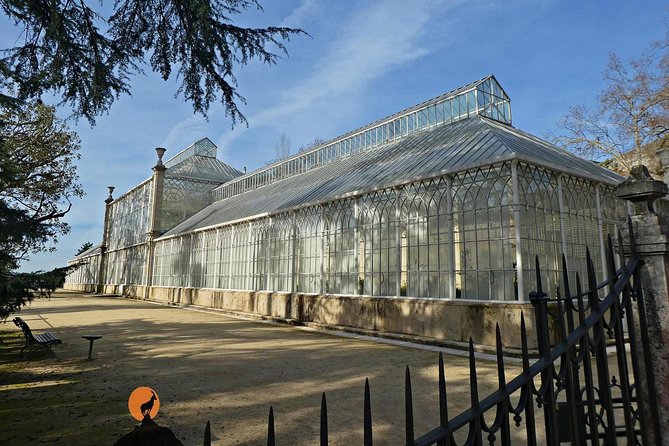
column 83, row 287
column 435, row 321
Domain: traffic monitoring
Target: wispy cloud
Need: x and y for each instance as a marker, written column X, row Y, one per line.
column 376, row 41
column 188, row 130
column 306, row 10
column 377, row 38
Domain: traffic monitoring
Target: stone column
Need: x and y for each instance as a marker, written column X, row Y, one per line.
column 103, row 247
column 651, row 233
column 158, row 183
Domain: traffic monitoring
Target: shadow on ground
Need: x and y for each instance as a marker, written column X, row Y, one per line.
column 209, row 367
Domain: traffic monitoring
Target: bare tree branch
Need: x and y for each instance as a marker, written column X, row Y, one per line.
column 629, row 115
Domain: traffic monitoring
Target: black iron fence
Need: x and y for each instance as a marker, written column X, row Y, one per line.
column 582, row 390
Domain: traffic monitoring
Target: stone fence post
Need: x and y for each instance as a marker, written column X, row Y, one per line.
column 651, row 231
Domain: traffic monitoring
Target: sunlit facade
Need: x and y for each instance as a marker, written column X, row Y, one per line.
column 443, row 200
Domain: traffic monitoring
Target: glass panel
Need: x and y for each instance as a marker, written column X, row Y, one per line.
column 448, row 111
column 471, row 102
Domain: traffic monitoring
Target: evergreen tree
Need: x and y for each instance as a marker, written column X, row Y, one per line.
column 37, row 182
column 88, row 58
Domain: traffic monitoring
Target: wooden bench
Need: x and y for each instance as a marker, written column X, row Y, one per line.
column 45, row 340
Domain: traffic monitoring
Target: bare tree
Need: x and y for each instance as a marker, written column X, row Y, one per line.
column 629, row 119
column 312, row 145
column 282, row 147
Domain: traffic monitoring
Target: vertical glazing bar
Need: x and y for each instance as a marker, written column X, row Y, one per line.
column 563, row 228
column 171, row 265
column 293, row 251
column 203, row 256
column 125, row 267
column 322, row 250
column 168, row 264
column 516, row 218
column 147, row 277
column 265, row 246
column 218, row 253
column 476, row 102
column 356, row 244
column 184, row 265
column 398, row 240
column 191, row 260
column 450, row 242
column 250, row 259
column 231, row 257
column 600, row 233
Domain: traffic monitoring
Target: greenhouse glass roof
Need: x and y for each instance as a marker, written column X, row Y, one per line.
column 484, row 97
column 465, row 144
column 198, row 161
column 203, row 147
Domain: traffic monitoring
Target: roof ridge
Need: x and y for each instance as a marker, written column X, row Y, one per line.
column 501, row 127
column 503, row 131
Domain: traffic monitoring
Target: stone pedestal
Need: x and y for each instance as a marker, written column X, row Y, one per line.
column 651, row 234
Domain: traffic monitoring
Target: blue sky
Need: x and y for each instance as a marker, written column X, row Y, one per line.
column 363, row 60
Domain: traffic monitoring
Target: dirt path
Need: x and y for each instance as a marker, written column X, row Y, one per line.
column 208, row 367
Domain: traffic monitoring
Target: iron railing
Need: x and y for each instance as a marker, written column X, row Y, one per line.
column 581, row 340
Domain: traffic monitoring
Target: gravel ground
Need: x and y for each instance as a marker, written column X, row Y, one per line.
column 207, row 366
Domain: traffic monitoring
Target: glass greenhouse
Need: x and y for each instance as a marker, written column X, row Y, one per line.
column 443, row 200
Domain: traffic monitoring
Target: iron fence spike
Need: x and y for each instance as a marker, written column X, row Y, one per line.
column 324, row 421
column 501, row 378
column 271, row 441
column 523, row 344
column 443, row 400
column 367, row 421
column 473, row 383
column 207, row 434
column 408, row 408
